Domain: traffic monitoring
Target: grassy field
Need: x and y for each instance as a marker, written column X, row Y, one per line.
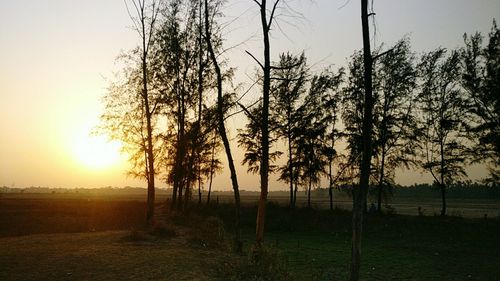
column 79, row 239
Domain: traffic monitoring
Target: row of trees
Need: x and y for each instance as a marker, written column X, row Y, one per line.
column 169, row 104
column 425, row 114
column 161, row 105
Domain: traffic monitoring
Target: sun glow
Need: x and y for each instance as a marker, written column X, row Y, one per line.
column 96, row 152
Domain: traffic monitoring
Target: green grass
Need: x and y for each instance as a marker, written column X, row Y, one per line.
column 395, row 248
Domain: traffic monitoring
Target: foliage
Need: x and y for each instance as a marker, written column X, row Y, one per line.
column 394, row 141
column 249, row 138
column 443, row 112
column 480, row 79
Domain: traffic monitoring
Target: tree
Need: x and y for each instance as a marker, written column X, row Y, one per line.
column 310, row 132
column 287, row 88
column 177, row 66
column 220, row 118
column 215, row 165
column 352, row 114
column 361, row 192
column 266, row 23
column 480, row 79
column 394, row 139
column 143, row 17
column 443, row 119
column 249, row 138
column 124, row 117
column 329, row 85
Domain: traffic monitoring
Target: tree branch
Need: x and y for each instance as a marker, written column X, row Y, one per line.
column 382, row 54
column 250, row 54
column 249, row 114
column 272, row 15
column 286, row 67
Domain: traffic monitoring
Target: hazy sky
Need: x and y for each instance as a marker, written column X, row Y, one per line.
column 56, row 57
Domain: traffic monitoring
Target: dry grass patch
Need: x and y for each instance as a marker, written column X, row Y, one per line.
column 106, row 256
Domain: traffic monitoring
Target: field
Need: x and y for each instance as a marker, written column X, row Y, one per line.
column 51, row 237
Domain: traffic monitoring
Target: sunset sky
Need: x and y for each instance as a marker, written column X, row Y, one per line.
column 57, row 57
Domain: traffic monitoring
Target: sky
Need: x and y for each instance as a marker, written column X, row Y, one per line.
column 57, row 58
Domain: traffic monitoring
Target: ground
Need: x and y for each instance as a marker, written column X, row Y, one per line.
column 76, row 239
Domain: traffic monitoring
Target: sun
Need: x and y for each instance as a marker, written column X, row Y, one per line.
column 97, row 152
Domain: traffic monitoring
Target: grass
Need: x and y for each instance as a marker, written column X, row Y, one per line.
column 301, row 245
column 316, row 245
column 396, row 249
column 106, row 256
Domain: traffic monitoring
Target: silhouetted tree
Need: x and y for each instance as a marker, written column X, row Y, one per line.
column 266, row 22
column 177, row 67
column 124, row 117
column 352, row 113
column 310, row 132
column 481, row 80
column 394, row 109
column 361, row 191
column 215, row 164
column 288, row 86
column 137, row 133
column 443, row 116
column 249, row 138
column 210, row 11
column 329, row 85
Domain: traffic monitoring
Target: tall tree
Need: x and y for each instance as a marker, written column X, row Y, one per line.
column 144, row 21
column 352, row 113
column 266, row 23
column 395, row 138
column 329, row 85
column 481, row 80
column 124, row 117
column 287, row 88
column 209, row 28
column 442, row 105
column 310, row 132
column 362, row 190
column 177, row 67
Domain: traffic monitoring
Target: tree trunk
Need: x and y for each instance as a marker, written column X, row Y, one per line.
column 290, row 168
column 149, row 131
column 177, row 188
column 443, row 199
column 187, row 194
column 381, row 181
column 222, row 132
column 199, row 186
column 309, row 195
column 442, row 184
column 200, row 92
column 330, row 187
column 361, row 192
column 212, row 162
column 295, row 190
column 180, row 202
column 264, row 165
